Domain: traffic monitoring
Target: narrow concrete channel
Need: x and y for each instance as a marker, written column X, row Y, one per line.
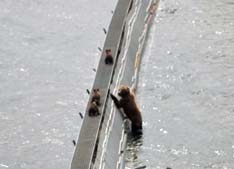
column 103, row 137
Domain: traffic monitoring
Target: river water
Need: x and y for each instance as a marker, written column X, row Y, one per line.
column 186, row 88
column 47, row 52
column 49, row 48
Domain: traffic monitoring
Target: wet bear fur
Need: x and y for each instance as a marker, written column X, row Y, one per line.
column 128, row 104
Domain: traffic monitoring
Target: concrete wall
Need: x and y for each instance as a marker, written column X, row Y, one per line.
column 102, row 139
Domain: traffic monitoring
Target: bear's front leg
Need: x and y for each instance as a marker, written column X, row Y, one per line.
column 116, row 101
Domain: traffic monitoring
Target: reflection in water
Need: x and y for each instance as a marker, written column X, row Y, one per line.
column 134, row 144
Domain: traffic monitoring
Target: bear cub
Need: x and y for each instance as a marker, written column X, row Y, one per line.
column 96, row 97
column 109, row 58
column 93, row 109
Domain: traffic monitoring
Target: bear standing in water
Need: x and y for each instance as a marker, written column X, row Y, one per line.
column 128, row 103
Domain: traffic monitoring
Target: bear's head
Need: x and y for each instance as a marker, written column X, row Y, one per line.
column 124, row 91
column 95, row 90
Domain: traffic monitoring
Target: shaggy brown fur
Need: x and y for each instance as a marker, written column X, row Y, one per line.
column 93, row 109
column 96, row 96
column 109, row 57
column 128, row 103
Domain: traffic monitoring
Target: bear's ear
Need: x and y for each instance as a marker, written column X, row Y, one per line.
column 108, row 50
column 124, row 88
column 127, row 90
column 95, row 90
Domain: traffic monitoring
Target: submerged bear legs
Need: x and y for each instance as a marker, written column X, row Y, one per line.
column 136, row 129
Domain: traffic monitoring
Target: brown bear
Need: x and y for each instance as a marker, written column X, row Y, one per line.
column 96, row 96
column 93, row 109
column 128, row 103
column 109, row 57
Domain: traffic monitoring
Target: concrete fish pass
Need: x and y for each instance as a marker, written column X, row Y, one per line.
column 103, row 135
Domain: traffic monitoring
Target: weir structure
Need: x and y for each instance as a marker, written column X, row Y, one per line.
column 102, row 139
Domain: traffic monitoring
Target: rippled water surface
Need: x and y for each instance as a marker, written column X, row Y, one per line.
column 186, row 89
column 47, row 52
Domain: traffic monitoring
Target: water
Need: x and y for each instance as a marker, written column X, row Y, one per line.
column 47, row 52
column 186, row 88
column 49, row 48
